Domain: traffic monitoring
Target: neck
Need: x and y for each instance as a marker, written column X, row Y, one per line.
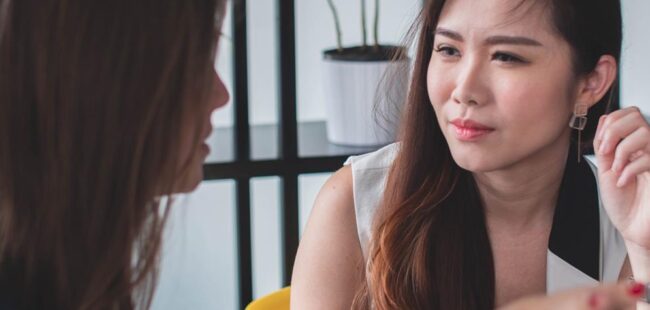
column 523, row 196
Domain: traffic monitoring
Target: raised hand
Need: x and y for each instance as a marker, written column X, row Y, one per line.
column 622, row 146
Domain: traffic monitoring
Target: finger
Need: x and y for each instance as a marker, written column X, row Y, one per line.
column 597, row 139
column 620, row 296
column 614, row 296
column 633, row 168
column 615, row 116
column 632, row 144
column 529, row 303
column 614, row 131
column 604, row 161
column 636, row 155
column 618, row 114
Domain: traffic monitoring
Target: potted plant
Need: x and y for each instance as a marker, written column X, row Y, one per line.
column 354, row 90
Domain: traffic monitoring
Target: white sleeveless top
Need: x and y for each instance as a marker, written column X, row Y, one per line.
column 574, row 258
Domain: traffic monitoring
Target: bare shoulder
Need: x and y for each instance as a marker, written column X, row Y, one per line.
column 338, row 190
column 329, row 262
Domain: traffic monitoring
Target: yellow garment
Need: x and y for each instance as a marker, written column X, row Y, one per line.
column 278, row 300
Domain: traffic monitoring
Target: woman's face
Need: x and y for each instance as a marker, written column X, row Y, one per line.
column 193, row 156
column 500, row 81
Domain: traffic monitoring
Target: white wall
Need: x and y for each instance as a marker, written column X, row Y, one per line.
column 635, row 61
column 199, row 255
column 199, row 265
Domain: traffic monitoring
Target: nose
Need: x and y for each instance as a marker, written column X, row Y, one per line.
column 220, row 95
column 470, row 86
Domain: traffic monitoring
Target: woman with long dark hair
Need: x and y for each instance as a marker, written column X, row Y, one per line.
column 104, row 107
column 487, row 197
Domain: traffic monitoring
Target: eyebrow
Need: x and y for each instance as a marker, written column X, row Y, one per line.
column 494, row 40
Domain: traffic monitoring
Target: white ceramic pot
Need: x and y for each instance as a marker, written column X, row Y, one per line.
column 363, row 109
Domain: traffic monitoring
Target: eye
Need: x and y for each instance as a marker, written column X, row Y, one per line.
column 447, row 51
column 507, row 58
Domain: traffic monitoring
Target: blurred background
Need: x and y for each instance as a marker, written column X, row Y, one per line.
column 233, row 239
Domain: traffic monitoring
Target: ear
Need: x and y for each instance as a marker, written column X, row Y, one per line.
column 595, row 85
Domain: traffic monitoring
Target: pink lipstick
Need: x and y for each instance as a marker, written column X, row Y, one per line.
column 469, row 130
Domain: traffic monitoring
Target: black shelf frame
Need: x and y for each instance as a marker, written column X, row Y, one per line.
column 288, row 165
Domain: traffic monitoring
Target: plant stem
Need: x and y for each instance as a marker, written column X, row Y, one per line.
column 376, row 30
column 337, row 24
column 363, row 24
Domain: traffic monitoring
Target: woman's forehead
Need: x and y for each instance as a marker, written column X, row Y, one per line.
column 504, row 17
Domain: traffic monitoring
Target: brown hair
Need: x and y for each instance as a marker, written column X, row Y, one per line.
column 430, row 246
column 93, row 96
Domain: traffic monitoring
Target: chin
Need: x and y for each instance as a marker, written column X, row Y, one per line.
column 190, row 183
column 470, row 166
column 191, row 187
column 474, row 163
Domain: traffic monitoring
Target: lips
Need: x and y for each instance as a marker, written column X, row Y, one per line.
column 205, row 148
column 469, row 130
column 470, row 124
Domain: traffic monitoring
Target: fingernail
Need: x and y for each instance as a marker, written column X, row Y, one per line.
column 595, row 300
column 620, row 182
column 636, row 289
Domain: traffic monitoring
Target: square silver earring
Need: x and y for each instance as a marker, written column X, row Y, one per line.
column 579, row 121
column 579, row 118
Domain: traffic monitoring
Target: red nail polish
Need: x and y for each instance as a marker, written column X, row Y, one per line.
column 594, row 301
column 636, row 289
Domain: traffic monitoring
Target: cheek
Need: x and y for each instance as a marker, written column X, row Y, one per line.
column 533, row 108
column 190, row 159
column 439, row 87
column 189, row 171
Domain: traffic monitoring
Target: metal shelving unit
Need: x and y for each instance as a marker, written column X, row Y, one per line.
column 241, row 160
